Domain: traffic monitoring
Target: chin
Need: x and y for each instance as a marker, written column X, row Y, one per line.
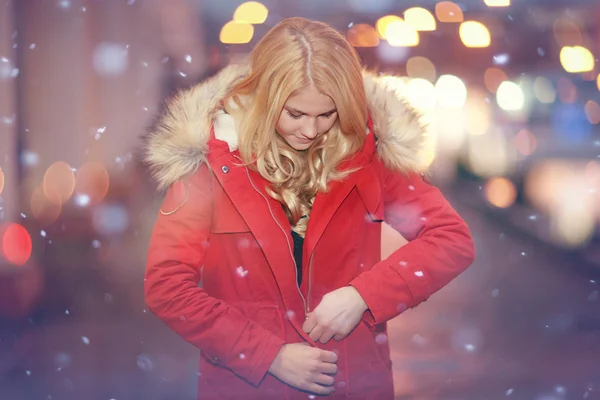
column 302, row 146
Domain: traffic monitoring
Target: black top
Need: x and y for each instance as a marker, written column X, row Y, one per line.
column 298, row 243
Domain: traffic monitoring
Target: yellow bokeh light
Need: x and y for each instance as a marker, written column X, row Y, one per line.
column 510, row 96
column 383, row 22
column 488, row 155
column 449, row 129
column 362, row 35
column 59, row 182
column 420, row 93
column 236, row 33
column 1, row 180
column 474, row 34
column 420, row 67
column 420, row 19
column 497, row 3
column 544, row 90
column 450, row 91
column 576, row 59
column 401, row 34
column 598, row 81
column 447, row 11
column 592, row 112
column 500, row 192
column 251, row 12
column 478, row 111
column 570, row 223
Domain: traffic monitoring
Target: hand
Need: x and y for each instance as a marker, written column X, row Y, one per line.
column 305, row 368
column 336, row 316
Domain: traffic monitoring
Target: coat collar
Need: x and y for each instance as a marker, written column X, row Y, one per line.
column 178, row 142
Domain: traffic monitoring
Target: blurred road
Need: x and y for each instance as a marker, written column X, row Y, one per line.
column 522, row 323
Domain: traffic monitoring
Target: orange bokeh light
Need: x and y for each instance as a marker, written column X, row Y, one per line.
column 46, row 209
column 92, row 180
column 59, row 179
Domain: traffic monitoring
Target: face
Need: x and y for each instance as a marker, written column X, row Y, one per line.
column 306, row 115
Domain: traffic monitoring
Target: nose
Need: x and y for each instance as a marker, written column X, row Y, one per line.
column 309, row 130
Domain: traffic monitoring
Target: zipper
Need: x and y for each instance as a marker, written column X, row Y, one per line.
column 310, row 262
column 286, row 238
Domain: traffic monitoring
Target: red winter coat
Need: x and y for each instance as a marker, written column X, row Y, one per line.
column 218, row 226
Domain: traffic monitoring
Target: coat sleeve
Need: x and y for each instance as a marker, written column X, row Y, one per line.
column 173, row 271
column 439, row 248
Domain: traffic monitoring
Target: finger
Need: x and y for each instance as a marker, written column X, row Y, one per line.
column 310, row 323
column 326, row 336
column 340, row 336
column 323, row 379
column 316, row 333
column 318, row 389
column 328, row 368
column 328, row 356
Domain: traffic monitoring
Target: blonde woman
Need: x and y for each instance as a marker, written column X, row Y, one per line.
column 279, row 175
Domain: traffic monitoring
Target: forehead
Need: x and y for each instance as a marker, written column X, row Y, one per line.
column 310, row 101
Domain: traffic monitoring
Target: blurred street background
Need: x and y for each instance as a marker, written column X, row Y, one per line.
column 510, row 90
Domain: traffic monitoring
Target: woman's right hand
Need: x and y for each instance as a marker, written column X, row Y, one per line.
column 305, row 368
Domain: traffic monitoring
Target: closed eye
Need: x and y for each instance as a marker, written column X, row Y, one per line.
column 299, row 115
column 294, row 116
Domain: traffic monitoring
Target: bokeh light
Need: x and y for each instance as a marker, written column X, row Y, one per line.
column 1, row 181
column 567, row 91
column 450, row 91
column 576, row 59
column 525, row 142
column 474, row 34
column 46, row 208
column 420, row 67
column 236, row 33
column 420, row 18
column 251, row 12
column 383, row 23
column 362, row 35
column 567, row 32
column 401, row 34
column 510, row 96
column 449, row 12
column 544, row 90
column 420, row 93
column 592, row 112
column 478, row 112
column 493, row 77
column 497, row 3
column 500, row 192
column 59, row 179
column 488, row 155
column 16, row 243
column 92, row 181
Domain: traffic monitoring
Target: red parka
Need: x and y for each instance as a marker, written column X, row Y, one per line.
column 221, row 271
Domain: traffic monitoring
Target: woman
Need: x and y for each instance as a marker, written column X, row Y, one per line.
column 279, row 176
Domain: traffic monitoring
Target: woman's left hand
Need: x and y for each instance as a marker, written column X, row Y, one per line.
column 336, row 316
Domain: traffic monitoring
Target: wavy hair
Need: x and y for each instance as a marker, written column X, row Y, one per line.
column 295, row 54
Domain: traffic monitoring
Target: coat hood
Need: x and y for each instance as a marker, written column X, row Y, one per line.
column 177, row 143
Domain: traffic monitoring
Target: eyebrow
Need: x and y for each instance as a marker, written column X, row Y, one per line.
column 295, row 110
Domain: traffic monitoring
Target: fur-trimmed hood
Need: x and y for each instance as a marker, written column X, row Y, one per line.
column 178, row 141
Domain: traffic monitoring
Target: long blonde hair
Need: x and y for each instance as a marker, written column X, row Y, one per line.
column 295, row 54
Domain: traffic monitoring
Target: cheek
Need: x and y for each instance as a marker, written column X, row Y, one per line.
column 326, row 124
column 285, row 126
